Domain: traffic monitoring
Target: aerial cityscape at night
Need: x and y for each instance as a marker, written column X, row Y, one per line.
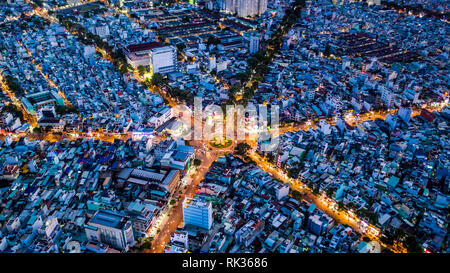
column 224, row 126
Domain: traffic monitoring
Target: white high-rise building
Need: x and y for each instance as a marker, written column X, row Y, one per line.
column 230, row 5
column 254, row 44
column 212, row 63
column 197, row 212
column 163, row 59
column 262, row 6
column 386, row 97
column 221, row 4
column 246, row 8
column 373, row 2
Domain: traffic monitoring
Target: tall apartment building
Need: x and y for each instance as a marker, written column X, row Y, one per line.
column 163, row 59
column 404, row 114
column 386, row 96
column 111, row 228
column 246, row 8
column 197, row 212
column 212, row 63
column 253, row 44
column 262, row 6
column 230, row 5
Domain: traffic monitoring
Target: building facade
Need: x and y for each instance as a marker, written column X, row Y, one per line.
column 111, row 228
column 246, row 8
column 160, row 58
column 197, row 212
column 163, row 60
column 254, row 44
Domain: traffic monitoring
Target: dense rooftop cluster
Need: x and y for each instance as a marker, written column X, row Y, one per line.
column 13, row 10
column 439, row 6
column 364, row 149
column 118, row 29
column 214, row 47
column 103, row 92
column 314, row 75
column 17, row 63
column 393, row 172
column 50, row 191
column 254, row 214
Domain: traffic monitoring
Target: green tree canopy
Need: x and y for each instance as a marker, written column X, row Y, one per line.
column 242, row 148
column 197, row 162
column 157, row 79
column 142, row 70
